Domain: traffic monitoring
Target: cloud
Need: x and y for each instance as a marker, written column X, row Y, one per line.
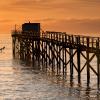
column 59, row 7
column 76, row 25
column 3, row 21
column 51, row 4
column 26, row 5
column 90, row 1
column 32, row 3
column 54, row 8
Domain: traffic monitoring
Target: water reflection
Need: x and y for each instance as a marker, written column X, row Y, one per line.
column 21, row 81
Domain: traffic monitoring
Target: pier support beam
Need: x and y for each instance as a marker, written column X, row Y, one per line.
column 78, row 59
column 98, row 70
column 88, row 68
column 13, row 46
column 79, row 65
column 98, row 64
column 22, row 53
column 33, row 53
column 71, row 64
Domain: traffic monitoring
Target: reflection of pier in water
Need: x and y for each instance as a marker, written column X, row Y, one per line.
column 58, row 50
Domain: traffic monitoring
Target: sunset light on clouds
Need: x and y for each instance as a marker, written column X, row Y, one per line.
column 74, row 16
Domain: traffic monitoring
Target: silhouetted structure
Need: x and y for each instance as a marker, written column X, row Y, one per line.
column 31, row 28
column 58, row 50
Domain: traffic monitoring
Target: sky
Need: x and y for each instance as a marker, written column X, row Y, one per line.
column 72, row 16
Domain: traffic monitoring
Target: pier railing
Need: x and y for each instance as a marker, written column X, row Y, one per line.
column 73, row 39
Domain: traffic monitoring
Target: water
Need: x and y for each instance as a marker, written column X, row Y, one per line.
column 21, row 82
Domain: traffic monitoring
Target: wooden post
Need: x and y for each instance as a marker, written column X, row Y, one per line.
column 98, row 64
column 65, row 55
column 46, row 56
column 63, row 62
column 33, row 52
column 13, row 45
column 71, row 64
column 44, row 49
column 88, row 69
column 42, row 53
column 49, row 54
column 98, row 70
column 25, row 47
column 38, row 49
column 59, row 59
column 78, row 58
column 28, row 54
column 52, row 57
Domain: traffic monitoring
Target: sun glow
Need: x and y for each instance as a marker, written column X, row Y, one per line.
column 59, row 15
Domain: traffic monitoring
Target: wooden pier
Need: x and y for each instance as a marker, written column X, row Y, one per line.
column 59, row 51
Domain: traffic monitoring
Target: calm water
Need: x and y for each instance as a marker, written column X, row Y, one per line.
column 21, row 82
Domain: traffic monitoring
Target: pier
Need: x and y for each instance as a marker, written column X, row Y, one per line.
column 58, row 50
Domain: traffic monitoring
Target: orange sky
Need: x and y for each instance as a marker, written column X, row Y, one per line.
column 74, row 16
